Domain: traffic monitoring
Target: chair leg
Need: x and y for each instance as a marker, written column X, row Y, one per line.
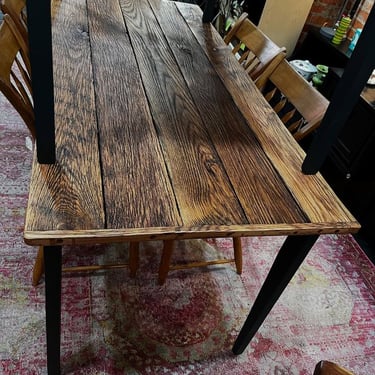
column 238, row 254
column 38, row 269
column 168, row 247
column 133, row 258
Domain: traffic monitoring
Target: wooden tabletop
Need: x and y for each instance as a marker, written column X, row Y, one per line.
column 160, row 134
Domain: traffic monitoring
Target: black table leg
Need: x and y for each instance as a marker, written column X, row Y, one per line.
column 40, row 40
column 52, row 266
column 288, row 260
column 210, row 11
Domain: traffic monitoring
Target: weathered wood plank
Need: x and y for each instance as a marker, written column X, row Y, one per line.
column 137, row 190
column 313, row 194
column 260, row 189
column 66, row 237
column 68, row 194
column 202, row 189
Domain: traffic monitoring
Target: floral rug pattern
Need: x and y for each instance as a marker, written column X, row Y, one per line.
column 112, row 324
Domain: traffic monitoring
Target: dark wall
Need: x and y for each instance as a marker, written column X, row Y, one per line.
column 254, row 8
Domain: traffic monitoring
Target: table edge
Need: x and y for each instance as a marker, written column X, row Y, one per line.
column 97, row 236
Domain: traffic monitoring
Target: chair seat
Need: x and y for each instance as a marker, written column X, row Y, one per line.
column 330, row 368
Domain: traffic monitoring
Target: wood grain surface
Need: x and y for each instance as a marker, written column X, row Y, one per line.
column 137, row 191
column 202, row 189
column 257, row 184
column 162, row 135
column 68, row 195
column 312, row 192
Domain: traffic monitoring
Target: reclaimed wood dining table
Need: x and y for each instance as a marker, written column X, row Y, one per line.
column 160, row 134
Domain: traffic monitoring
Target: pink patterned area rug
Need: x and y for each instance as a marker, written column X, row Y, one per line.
column 112, row 324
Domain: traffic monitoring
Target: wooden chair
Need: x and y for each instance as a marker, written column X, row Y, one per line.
column 15, row 84
column 17, row 11
column 168, row 247
column 299, row 105
column 15, row 81
column 330, row 368
column 257, row 53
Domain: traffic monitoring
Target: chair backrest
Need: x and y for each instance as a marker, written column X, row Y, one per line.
column 17, row 11
column 255, row 51
column 299, row 105
column 15, row 80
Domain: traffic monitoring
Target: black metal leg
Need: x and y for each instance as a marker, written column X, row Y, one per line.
column 40, row 40
column 210, row 10
column 52, row 266
column 288, row 260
